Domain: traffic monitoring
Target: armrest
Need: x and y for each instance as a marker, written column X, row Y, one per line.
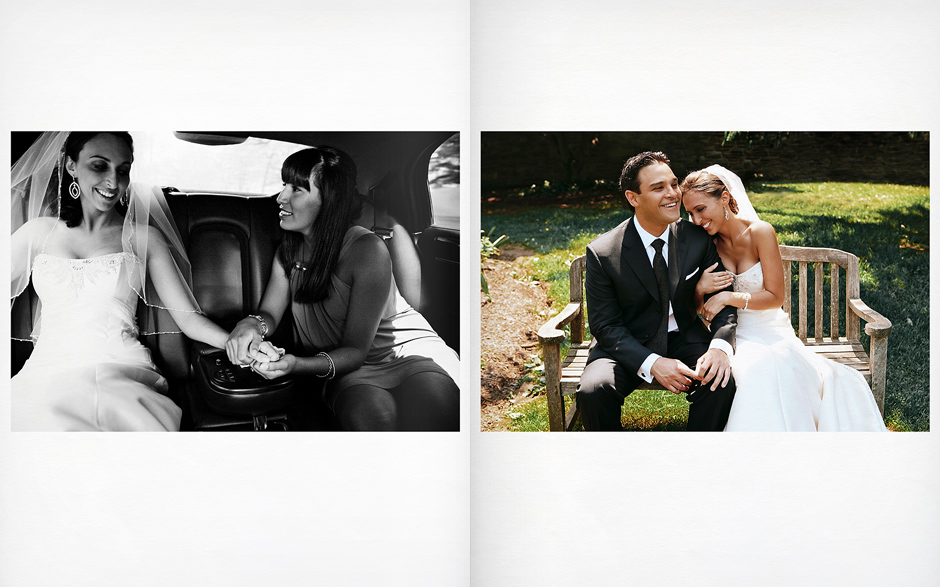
column 202, row 349
column 550, row 332
column 876, row 325
column 228, row 389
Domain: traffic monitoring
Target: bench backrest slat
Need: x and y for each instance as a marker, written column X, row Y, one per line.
column 576, row 294
column 836, row 259
column 803, row 297
column 818, row 298
column 834, row 301
column 851, row 292
column 787, row 287
column 802, row 306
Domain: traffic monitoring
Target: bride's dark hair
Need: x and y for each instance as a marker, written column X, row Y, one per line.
column 70, row 209
column 333, row 173
column 709, row 184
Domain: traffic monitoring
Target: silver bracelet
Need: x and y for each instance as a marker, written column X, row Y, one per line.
column 264, row 325
column 331, row 372
column 747, row 300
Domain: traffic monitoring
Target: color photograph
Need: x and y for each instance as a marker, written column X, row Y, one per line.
column 793, row 295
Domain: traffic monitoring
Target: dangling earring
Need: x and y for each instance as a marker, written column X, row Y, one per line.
column 124, row 199
column 726, row 213
column 74, row 190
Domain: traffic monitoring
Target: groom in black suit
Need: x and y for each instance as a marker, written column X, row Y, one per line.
column 640, row 281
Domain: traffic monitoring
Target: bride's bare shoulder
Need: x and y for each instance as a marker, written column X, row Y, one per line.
column 762, row 229
column 764, row 238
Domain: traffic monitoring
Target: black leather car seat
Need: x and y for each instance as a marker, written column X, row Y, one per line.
column 426, row 271
column 406, row 265
column 231, row 242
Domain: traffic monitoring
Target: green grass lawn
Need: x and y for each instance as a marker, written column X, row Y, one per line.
column 645, row 410
column 886, row 226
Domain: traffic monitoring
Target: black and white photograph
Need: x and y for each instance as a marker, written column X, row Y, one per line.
column 282, row 281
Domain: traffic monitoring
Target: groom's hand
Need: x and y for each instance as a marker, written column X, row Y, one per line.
column 713, row 365
column 673, row 374
column 712, row 281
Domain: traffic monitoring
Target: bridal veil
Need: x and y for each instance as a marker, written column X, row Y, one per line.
column 148, row 233
column 735, row 187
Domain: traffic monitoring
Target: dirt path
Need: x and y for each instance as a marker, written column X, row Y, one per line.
column 508, row 326
column 519, row 306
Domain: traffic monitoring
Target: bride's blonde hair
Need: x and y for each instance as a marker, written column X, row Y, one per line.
column 709, row 184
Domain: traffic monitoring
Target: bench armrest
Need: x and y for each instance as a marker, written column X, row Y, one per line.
column 878, row 328
column 550, row 332
column 876, row 325
column 551, row 336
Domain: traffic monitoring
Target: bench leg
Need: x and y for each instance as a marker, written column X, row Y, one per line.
column 879, row 363
column 572, row 414
column 551, row 358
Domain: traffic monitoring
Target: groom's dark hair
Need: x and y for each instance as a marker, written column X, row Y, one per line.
column 631, row 170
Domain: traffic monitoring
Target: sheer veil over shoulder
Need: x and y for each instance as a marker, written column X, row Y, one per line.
column 148, row 229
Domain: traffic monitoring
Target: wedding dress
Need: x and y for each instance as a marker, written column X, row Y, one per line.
column 783, row 386
column 88, row 371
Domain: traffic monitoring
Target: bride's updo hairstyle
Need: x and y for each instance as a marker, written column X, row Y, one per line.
column 333, row 172
column 706, row 183
column 70, row 209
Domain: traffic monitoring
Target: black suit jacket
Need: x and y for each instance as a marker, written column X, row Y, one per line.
column 623, row 298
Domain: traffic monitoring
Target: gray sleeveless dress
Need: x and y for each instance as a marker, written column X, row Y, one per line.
column 404, row 345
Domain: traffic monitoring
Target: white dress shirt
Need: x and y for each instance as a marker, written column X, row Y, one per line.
column 645, row 371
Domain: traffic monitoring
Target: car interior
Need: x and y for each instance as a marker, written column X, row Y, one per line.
column 231, row 240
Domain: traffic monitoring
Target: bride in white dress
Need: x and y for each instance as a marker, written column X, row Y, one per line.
column 781, row 385
column 93, row 243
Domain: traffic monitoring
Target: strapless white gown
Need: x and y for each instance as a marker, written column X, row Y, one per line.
column 87, row 370
column 782, row 386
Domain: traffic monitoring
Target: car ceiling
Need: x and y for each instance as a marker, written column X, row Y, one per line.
column 376, row 153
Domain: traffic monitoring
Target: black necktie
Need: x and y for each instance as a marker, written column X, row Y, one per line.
column 659, row 343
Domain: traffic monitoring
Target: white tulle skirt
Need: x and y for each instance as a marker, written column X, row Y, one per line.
column 783, row 386
column 88, row 370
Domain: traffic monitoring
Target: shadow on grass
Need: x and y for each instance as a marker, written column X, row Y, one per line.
column 894, row 271
column 773, row 188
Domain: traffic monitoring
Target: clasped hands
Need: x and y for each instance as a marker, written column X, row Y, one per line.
column 714, row 366
column 246, row 348
column 714, row 281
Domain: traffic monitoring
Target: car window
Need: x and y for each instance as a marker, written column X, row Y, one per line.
column 252, row 167
column 444, row 183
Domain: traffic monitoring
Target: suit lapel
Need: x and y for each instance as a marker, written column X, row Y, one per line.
column 633, row 254
column 675, row 253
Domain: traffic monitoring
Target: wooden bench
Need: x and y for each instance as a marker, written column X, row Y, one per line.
column 843, row 346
